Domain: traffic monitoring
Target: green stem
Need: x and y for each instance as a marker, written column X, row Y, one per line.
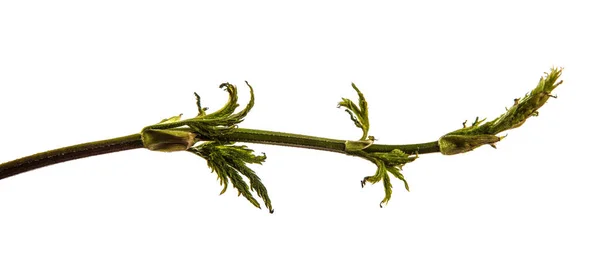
column 318, row 143
column 239, row 135
column 59, row 155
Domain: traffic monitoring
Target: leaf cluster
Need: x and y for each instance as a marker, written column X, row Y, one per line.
column 229, row 161
column 386, row 162
column 220, row 122
column 479, row 133
column 359, row 114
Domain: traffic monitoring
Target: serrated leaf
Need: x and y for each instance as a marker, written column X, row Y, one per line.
column 379, row 173
column 218, row 123
column 239, row 117
column 387, row 187
column 229, row 162
column 396, row 172
column 231, row 104
column 359, row 114
column 391, row 162
column 354, row 119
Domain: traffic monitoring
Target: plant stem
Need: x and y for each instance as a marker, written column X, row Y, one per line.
column 59, row 155
column 318, row 143
column 239, row 135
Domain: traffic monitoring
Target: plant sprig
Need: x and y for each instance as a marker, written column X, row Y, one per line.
column 214, row 137
column 386, row 162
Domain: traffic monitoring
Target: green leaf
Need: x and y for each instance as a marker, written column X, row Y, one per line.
column 229, row 162
column 379, row 174
column 386, row 162
column 239, row 117
column 396, row 172
column 387, row 187
column 359, row 114
column 395, row 157
column 218, row 123
column 528, row 106
column 229, row 107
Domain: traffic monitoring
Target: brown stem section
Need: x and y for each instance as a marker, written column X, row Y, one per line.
column 70, row 153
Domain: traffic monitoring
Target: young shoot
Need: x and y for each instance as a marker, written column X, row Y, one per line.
column 215, row 137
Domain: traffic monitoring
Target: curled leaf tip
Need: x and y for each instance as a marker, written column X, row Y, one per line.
column 363, row 182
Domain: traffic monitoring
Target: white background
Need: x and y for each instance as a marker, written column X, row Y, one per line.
column 76, row 71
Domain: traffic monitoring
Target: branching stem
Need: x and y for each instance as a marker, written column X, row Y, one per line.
column 213, row 137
